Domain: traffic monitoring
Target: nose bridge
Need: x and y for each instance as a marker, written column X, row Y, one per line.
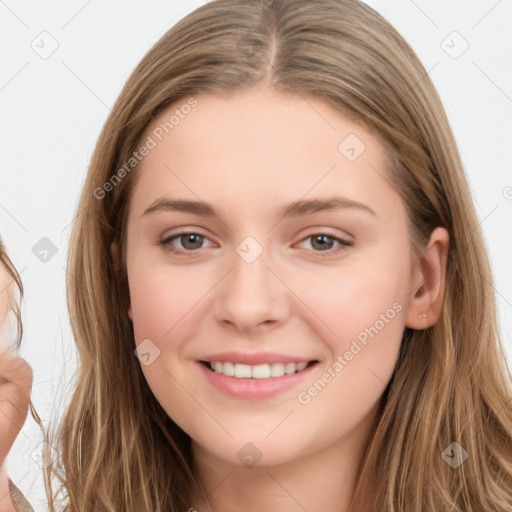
column 250, row 272
column 250, row 277
column 250, row 293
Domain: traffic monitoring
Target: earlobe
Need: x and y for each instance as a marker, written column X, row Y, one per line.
column 424, row 308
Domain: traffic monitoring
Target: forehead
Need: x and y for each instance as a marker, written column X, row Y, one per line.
column 259, row 143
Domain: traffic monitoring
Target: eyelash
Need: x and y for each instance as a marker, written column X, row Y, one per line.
column 166, row 243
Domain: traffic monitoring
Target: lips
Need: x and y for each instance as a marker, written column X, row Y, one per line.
column 260, row 384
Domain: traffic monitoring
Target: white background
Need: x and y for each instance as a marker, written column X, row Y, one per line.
column 52, row 111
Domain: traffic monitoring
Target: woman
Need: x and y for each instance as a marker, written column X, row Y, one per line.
column 280, row 293
column 15, row 377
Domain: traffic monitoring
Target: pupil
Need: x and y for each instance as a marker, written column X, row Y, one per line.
column 196, row 244
column 322, row 245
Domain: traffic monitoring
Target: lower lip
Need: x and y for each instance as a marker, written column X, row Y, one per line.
column 255, row 389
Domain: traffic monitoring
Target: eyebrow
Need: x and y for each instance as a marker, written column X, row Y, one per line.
column 293, row 209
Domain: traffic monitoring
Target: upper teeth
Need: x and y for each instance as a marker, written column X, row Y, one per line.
column 260, row 371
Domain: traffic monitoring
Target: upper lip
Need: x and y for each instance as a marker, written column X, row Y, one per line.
column 255, row 358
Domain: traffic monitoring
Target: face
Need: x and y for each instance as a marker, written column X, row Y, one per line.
column 293, row 278
column 4, row 295
column 7, row 316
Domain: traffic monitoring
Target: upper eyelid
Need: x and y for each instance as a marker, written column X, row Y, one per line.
column 174, row 236
column 186, row 231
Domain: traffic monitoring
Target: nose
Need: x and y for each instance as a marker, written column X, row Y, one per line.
column 251, row 297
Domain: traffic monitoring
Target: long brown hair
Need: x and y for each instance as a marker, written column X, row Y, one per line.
column 118, row 449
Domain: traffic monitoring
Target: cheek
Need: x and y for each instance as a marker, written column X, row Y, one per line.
column 161, row 298
column 159, row 304
column 166, row 305
column 361, row 305
column 366, row 312
column 357, row 295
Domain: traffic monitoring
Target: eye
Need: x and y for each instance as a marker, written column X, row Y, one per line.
column 323, row 242
column 190, row 241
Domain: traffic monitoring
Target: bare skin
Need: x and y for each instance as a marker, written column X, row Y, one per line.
column 15, row 385
column 303, row 295
column 247, row 155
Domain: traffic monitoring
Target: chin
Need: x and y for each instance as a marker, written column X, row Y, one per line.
column 254, row 451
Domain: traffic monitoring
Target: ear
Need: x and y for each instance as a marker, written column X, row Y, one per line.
column 114, row 251
column 424, row 308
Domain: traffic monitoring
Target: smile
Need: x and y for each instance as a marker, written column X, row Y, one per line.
column 256, row 375
column 260, row 371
